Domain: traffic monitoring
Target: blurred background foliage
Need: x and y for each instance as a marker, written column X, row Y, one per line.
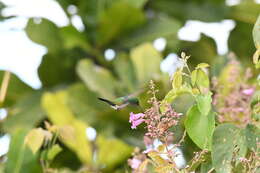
column 74, row 73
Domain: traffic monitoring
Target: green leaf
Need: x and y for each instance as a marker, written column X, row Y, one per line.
column 84, row 103
column 53, row 151
column 204, row 103
column 247, row 11
column 177, row 80
column 202, row 10
column 252, row 137
column 241, row 32
column 140, row 57
column 124, row 69
column 157, row 27
column 226, row 138
column 195, row 122
column 256, row 33
column 34, row 139
column 112, row 152
column 26, row 113
column 97, row 78
column 202, row 65
column 121, row 18
column 45, row 33
column 72, row 131
column 73, row 38
column 202, row 79
column 59, row 68
column 173, row 94
column 20, row 158
column 136, row 3
column 204, row 50
column 193, row 77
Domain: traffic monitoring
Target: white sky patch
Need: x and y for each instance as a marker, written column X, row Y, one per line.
column 77, row 22
column 233, row 2
column 4, row 144
column 219, row 31
column 91, row 133
column 72, row 9
column 18, row 53
column 160, row 44
column 3, row 113
column 109, row 54
column 171, row 63
column 178, row 155
column 49, row 9
column 257, row 1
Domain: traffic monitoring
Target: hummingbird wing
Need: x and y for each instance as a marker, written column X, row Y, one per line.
column 107, row 101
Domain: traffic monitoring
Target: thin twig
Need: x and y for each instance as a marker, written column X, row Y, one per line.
column 4, row 86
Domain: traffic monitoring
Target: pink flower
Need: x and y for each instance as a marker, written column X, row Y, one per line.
column 135, row 163
column 248, row 92
column 136, row 119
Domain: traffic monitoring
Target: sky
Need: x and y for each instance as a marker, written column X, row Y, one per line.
column 21, row 56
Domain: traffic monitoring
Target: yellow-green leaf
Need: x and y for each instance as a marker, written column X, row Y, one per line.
column 75, row 134
column 54, row 150
column 112, row 152
column 193, row 77
column 34, row 139
column 146, row 60
column 177, row 79
column 202, row 65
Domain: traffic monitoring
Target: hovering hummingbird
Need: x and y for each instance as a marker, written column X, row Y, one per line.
column 122, row 102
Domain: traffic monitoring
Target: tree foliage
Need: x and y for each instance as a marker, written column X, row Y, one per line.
column 74, row 73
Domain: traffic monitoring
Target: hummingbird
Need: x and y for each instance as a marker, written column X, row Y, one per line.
column 122, row 102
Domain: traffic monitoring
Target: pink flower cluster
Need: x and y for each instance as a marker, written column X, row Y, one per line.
column 136, row 119
column 234, row 106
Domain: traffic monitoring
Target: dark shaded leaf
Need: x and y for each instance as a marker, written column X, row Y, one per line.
column 59, row 68
column 119, row 19
column 157, row 27
column 25, row 114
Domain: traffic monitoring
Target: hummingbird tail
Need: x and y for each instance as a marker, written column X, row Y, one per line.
column 107, row 101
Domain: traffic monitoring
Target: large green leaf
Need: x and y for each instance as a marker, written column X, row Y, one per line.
column 225, row 138
column 84, row 103
column 20, row 158
column 119, row 19
column 112, row 152
column 26, row 113
column 193, row 9
column 246, row 11
column 97, row 78
column 204, row 103
column 256, row 33
column 45, row 33
column 204, row 50
column 124, row 69
column 200, row 127
column 71, row 131
column 242, row 32
column 59, row 68
column 16, row 89
column 146, row 61
column 157, row 27
column 252, row 137
column 73, row 38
